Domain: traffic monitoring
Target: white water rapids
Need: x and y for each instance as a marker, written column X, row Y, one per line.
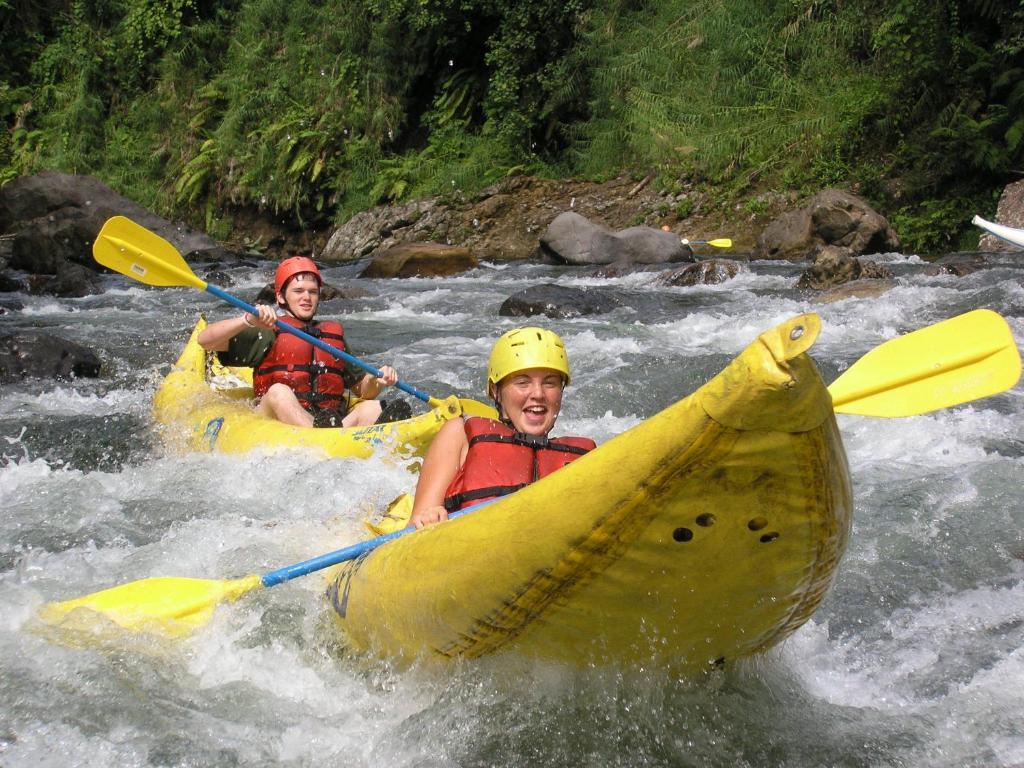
column 916, row 657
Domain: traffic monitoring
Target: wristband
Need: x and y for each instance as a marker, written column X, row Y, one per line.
column 245, row 319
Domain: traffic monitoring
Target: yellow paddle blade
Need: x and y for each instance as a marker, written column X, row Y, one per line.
column 721, row 242
column 131, row 249
column 952, row 362
column 394, row 518
column 166, row 606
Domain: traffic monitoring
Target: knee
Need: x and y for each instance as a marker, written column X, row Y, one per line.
column 279, row 393
column 363, row 414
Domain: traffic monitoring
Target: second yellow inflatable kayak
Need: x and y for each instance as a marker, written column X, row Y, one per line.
column 204, row 406
column 708, row 532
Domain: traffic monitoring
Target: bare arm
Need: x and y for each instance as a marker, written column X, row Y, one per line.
column 445, row 457
column 368, row 387
column 217, row 336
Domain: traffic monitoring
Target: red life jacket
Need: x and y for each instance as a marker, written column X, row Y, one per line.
column 313, row 375
column 500, row 461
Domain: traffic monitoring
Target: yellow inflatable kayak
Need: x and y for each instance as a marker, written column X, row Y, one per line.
column 708, row 532
column 204, row 406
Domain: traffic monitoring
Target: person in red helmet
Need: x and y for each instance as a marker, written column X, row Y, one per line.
column 296, row 382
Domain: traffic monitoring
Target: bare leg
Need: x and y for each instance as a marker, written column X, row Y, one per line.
column 280, row 403
column 362, row 414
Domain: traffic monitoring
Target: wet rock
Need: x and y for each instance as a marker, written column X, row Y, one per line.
column 957, row 270
column 642, row 245
column 1009, row 212
column 574, row 239
column 386, row 226
column 834, row 266
column 70, row 280
column 219, row 277
column 53, row 218
column 420, row 260
column 569, row 239
column 9, row 304
column 710, row 272
column 52, row 193
column 56, row 253
column 620, row 270
column 10, row 283
column 857, row 289
column 957, row 264
column 832, row 217
column 558, row 301
column 41, row 355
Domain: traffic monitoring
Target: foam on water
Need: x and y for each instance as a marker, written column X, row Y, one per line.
column 943, row 439
column 928, row 672
column 710, row 332
column 438, row 319
column 913, row 659
column 70, row 401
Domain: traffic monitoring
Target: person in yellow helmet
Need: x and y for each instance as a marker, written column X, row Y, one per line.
column 474, row 459
column 295, row 382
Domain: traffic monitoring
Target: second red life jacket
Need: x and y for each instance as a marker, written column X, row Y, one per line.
column 501, row 460
column 312, row 374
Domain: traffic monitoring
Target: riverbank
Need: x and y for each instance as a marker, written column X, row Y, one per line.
column 504, row 221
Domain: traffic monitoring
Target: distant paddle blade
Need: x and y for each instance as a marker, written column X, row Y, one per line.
column 956, row 361
column 167, row 606
column 131, row 249
column 722, row 242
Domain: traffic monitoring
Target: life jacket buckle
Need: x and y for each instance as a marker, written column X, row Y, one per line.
column 532, row 441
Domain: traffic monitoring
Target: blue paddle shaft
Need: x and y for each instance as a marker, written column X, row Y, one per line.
column 407, row 388
column 289, row 572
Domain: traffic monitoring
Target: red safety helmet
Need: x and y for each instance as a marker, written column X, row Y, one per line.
column 293, row 266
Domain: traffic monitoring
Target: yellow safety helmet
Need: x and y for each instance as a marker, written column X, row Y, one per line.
column 523, row 349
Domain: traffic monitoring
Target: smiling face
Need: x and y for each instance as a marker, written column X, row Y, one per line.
column 531, row 399
column 301, row 296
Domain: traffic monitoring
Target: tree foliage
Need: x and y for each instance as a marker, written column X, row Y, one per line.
column 318, row 109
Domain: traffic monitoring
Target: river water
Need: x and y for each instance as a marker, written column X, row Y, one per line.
column 915, row 658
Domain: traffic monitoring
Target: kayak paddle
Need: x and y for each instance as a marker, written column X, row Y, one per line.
column 951, row 362
column 134, row 251
column 722, row 242
column 965, row 358
column 172, row 606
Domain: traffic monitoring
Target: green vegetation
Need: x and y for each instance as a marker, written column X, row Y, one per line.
column 317, row 110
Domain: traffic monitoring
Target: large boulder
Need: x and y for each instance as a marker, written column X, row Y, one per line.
column 569, row 238
column 1009, row 212
column 641, row 245
column 41, row 355
column 832, row 217
column 573, row 239
column 52, row 220
column 383, row 227
column 420, row 260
